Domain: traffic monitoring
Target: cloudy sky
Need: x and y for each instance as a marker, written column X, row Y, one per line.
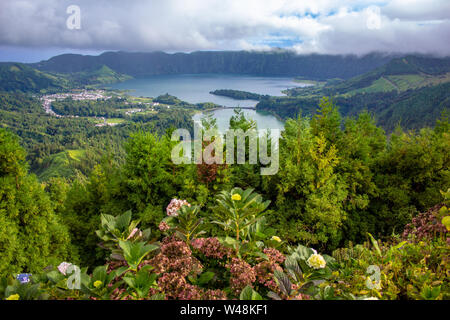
column 32, row 30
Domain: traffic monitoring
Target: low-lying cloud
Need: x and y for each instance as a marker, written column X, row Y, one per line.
column 322, row 26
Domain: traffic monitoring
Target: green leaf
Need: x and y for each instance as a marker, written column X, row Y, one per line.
column 135, row 252
column 375, row 244
column 284, row 284
column 249, row 294
column 205, row 278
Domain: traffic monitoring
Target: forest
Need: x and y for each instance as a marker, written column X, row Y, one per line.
column 353, row 213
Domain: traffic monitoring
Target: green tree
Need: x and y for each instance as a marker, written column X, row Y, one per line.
column 309, row 193
column 151, row 179
column 31, row 235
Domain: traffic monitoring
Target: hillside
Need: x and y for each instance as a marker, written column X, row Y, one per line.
column 99, row 75
column 21, row 77
column 274, row 63
column 399, row 74
column 412, row 91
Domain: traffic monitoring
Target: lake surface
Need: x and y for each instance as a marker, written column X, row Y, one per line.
column 195, row 88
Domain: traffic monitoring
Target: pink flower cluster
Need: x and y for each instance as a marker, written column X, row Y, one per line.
column 425, row 225
column 175, row 256
column 211, row 248
column 274, row 255
column 302, row 296
column 174, row 286
column 163, row 226
column 242, row 275
column 264, row 274
column 265, row 269
column 174, row 206
column 214, row 295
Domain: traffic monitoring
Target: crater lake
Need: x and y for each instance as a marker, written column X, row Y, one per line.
column 196, row 88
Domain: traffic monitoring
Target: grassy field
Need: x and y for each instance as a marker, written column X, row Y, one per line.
column 59, row 164
column 76, row 154
column 115, row 120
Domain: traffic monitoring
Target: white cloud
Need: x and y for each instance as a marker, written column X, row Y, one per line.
column 324, row 26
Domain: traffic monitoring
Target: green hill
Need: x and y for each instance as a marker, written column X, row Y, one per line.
column 15, row 77
column 400, row 74
column 21, row 77
column 101, row 75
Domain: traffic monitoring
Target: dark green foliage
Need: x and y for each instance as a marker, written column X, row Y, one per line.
column 151, row 178
column 31, row 235
column 237, row 94
column 338, row 182
column 410, row 175
column 103, row 108
column 167, row 99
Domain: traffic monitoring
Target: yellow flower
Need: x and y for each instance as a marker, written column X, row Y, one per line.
column 446, row 222
column 277, row 239
column 13, row 297
column 236, row 197
column 316, row 261
column 98, row 284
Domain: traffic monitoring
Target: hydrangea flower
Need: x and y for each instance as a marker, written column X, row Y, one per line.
column 63, row 266
column 13, row 297
column 98, row 284
column 24, row 277
column 163, row 226
column 242, row 275
column 211, row 247
column 316, row 261
column 174, row 206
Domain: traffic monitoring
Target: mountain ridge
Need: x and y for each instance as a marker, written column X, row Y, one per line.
column 273, row 63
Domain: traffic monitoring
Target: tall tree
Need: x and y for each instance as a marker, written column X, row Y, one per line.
column 31, row 235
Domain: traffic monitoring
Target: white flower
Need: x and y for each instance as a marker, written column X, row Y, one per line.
column 63, row 266
column 316, row 261
column 371, row 298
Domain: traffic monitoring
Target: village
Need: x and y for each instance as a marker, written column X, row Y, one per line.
column 47, row 101
column 83, row 95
